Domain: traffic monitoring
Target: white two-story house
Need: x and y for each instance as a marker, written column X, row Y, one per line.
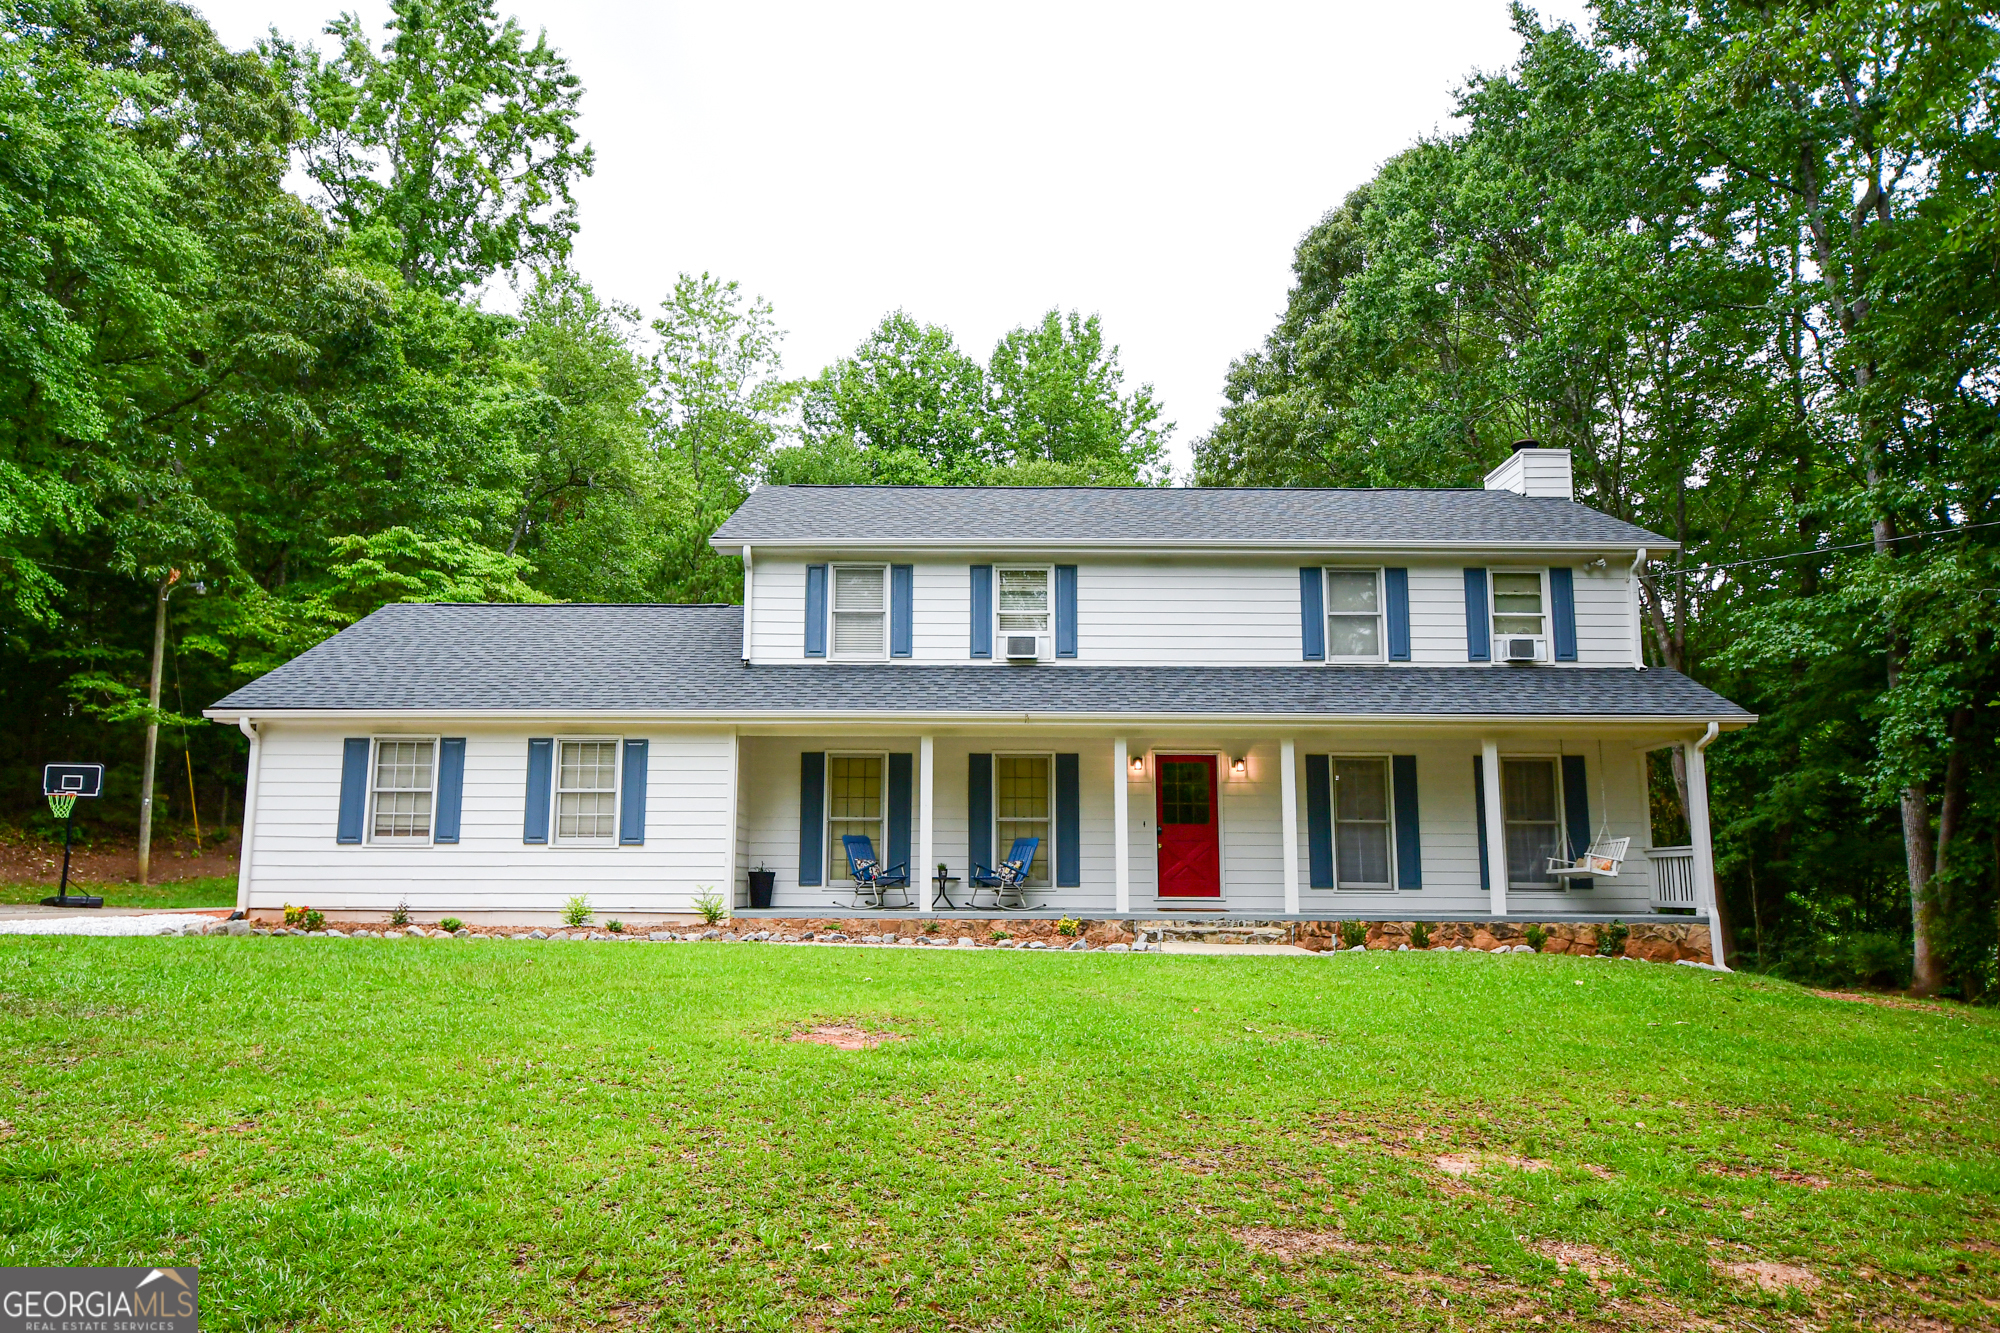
column 1393, row 704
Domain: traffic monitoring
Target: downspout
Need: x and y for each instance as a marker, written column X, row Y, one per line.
column 1639, row 616
column 1714, row 730
column 249, row 831
column 749, row 603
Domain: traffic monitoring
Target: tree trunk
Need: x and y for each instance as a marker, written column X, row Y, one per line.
column 1926, row 971
column 152, row 728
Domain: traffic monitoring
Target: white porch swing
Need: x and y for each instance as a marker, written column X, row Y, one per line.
column 1606, row 853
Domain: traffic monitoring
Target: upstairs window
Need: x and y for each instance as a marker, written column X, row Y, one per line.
column 1354, row 615
column 1518, row 605
column 587, row 792
column 1023, row 606
column 405, row 774
column 860, row 611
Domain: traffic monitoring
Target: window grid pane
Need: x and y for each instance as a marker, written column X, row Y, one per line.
column 1361, row 822
column 1528, row 796
column 1517, row 603
column 1184, row 793
column 853, row 805
column 403, row 789
column 587, row 791
column 1021, row 802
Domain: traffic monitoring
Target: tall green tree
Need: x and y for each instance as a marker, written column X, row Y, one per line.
column 1058, row 397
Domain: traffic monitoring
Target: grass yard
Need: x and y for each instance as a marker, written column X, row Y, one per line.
column 209, row 891
column 434, row 1134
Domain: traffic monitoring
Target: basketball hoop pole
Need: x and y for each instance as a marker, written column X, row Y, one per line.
column 69, row 826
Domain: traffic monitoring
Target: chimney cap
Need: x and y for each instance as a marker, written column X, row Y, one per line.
column 1519, row 445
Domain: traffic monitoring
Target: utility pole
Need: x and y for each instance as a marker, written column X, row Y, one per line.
column 153, row 724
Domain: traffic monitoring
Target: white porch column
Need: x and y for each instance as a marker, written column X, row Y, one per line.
column 1496, row 828
column 1121, row 828
column 1288, row 788
column 926, row 809
column 729, row 890
column 1702, row 838
column 246, row 846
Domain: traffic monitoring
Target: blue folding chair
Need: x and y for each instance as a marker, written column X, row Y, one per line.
column 1009, row 879
column 873, row 882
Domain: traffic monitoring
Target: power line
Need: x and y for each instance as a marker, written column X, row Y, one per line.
column 1822, row 550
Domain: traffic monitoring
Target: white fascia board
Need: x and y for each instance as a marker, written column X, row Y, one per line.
column 793, row 720
column 1506, row 550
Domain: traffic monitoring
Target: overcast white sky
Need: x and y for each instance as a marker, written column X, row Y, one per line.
column 977, row 165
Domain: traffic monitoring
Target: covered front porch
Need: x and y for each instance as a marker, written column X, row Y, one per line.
column 1314, row 824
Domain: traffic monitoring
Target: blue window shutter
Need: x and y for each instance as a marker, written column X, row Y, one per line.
column 979, row 809
column 815, row 610
column 1312, row 614
column 982, row 610
column 451, row 788
column 1562, row 592
column 353, row 789
column 1478, row 625
column 1576, row 809
column 902, row 586
column 1479, row 807
column 535, row 823
column 632, row 796
column 1319, row 821
column 812, row 813
column 1396, row 584
column 1065, row 612
column 1409, row 845
column 1069, row 822
column 898, row 851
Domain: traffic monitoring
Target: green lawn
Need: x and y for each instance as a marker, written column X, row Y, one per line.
column 434, row 1134
column 213, row 891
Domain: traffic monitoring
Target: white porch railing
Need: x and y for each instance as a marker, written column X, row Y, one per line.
column 1673, row 877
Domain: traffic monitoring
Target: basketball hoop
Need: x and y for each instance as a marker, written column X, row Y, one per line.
column 62, row 784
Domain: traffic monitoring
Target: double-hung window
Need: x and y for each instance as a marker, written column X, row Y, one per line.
column 1022, row 796
column 587, row 792
column 853, row 805
column 861, row 611
column 1531, row 804
column 1361, row 822
column 403, row 786
column 1354, row 615
column 1022, row 608
column 1518, row 604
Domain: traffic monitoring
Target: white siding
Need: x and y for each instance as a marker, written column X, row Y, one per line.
column 1187, row 613
column 1437, row 615
column 1603, row 617
column 490, row 872
column 778, row 621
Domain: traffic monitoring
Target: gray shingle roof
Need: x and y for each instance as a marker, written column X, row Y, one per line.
column 1071, row 516
column 687, row 659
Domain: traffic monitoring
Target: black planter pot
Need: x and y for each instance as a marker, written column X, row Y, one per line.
column 762, row 882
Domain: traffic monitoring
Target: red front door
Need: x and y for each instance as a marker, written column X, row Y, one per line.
column 1190, row 842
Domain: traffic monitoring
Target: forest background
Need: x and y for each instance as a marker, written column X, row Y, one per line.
column 1744, row 261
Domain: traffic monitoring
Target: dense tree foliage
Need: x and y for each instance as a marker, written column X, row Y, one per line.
column 1743, row 262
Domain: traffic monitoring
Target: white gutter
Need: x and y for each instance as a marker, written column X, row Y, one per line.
column 1638, row 612
column 1515, row 550
column 814, row 717
column 749, row 601
column 250, row 793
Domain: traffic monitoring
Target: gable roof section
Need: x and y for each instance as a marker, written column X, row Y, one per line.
column 1239, row 517
column 667, row 660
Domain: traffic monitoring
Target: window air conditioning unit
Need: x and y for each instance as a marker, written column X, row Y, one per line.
column 1526, row 650
column 1023, row 647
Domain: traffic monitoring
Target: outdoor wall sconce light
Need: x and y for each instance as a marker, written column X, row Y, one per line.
column 1237, row 767
column 1138, row 766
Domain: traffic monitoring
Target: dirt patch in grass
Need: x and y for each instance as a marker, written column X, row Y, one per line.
column 1767, row 1275
column 844, row 1036
column 1885, row 1001
column 1294, row 1243
column 1467, row 1164
column 1587, row 1259
column 1783, row 1177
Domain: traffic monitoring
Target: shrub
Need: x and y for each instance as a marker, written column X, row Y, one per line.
column 615, row 926
column 999, row 935
column 312, row 920
column 930, row 927
column 401, row 916
column 1874, row 958
column 1536, row 938
column 1069, row 926
column 295, row 916
column 1353, row 934
column 1420, row 934
column 451, row 925
column 711, row 906
column 1611, row 939
column 576, row 912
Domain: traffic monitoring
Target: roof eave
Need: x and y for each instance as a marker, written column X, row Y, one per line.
column 1183, row 546
column 1731, row 721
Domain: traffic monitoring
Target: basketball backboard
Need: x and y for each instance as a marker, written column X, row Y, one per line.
column 72, row 779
